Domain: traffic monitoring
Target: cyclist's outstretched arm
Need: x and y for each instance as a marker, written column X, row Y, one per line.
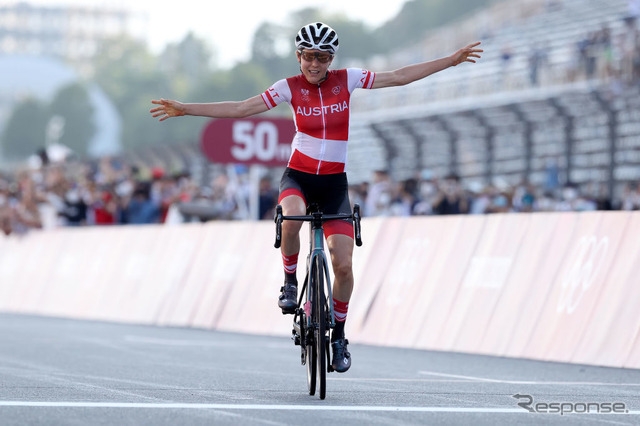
column 411, row 73
column 229, row 109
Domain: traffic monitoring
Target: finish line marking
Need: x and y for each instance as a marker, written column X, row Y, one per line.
column 522, row 382
column 64, row 404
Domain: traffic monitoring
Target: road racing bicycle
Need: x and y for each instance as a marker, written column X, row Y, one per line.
column 313, row 318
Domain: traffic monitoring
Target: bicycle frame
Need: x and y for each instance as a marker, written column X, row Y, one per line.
column 316, row 249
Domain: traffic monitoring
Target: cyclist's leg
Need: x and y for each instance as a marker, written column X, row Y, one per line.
column 340, row 243
column 293, row 204
column 341, row 250
column 339, row 234
column 293, row 201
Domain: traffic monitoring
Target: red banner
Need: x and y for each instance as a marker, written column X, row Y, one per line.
column 265, row 141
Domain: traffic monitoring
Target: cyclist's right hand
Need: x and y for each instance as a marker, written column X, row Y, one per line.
column 167, row 109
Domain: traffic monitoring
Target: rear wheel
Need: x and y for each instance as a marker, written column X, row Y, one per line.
column 321, row 332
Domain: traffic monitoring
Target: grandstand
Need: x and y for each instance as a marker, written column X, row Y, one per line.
column 488, row 122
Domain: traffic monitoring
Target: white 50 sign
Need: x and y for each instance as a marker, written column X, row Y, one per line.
column 248, row 141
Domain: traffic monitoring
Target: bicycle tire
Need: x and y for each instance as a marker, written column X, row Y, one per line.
column 321, row 331
column 310, row 348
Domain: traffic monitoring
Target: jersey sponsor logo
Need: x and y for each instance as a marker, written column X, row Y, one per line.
column 336, row 90
column 327, row 109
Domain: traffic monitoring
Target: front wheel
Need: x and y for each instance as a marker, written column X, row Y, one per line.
column 311, row 355
column 321, row 331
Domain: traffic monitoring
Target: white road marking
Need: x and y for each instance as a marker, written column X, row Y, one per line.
column 197, row 343
column 269, row 407
column 521, row 382
column 175, row 342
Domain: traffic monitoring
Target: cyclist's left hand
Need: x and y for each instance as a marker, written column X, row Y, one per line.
column 167, row 109
column 466, row 54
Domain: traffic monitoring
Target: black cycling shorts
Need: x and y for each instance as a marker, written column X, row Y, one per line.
column 329, row 192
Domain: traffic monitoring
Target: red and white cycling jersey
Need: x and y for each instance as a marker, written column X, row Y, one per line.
column 321, row 116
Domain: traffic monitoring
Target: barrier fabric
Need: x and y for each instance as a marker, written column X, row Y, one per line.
column 614, row 322
column 576, row 288
column 548, row 286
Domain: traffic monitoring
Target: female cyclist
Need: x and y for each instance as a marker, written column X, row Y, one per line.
column 319, row 99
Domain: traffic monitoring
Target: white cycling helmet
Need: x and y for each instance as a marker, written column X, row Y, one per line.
column 317, row 36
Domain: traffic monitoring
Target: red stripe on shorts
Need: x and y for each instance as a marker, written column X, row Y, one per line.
column 338, row 226
column 290, row 191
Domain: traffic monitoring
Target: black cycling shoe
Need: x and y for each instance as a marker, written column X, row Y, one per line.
column 288, row 300
column 341, row 359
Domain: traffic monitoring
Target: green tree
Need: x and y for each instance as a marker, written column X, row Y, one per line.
column 186, row 63
column 131, row 76
column 417, row 17
column 25, row 131
column 273, row 51
column 72, row 103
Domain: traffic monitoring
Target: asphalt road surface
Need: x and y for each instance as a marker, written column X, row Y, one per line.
column 70, row 372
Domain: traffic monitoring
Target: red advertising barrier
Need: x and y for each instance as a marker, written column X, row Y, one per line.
column 523, row 294
column 577, row 286
column 402, row 280
column 366, row 300
column 536, row 287
column 222, row 261
column 57, row 294
column 445, row 278
column 488, row 274
column 614, row 322
column 21, row 262
column 181, row 308
column 176, row 250
column 251, row 303
column 549, row 286
column 14, row 256
column 376, row 239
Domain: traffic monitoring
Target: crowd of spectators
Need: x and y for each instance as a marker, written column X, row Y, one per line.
column 427, row 195
column 111, row 192
column 614, row 58
column 610, row 54
column 106, row 192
